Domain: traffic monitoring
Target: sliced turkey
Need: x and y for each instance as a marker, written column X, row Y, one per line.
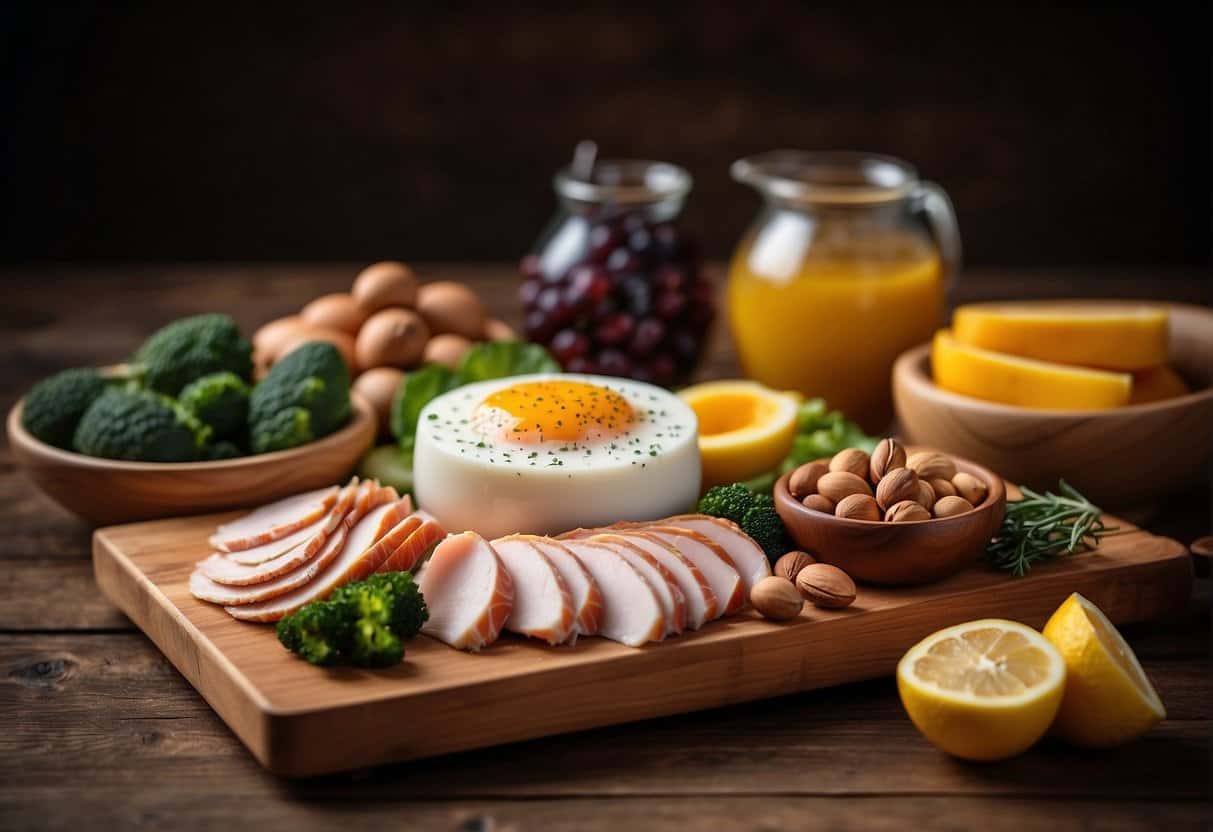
column 711, row 559
column 543, row 605
column 587, row 597
column 274, row 521
column 225, row 569
column 468, row 591
column 673, row 602
column 368, row 544
column 632, row 612
column 747, row 556
column 409, row 554
column 312, row 536
column 701, row 602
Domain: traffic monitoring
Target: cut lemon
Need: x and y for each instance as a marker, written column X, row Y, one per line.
column 985, row 690
column 1090, row 334
column 745, row 429
column 1108, row 699
column 1025, row 382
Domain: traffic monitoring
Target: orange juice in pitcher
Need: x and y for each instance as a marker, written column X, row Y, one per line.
column 844, row 269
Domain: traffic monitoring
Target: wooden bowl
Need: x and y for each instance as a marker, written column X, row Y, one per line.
column 106, row 491
column 1120, row 459
column 896, row 554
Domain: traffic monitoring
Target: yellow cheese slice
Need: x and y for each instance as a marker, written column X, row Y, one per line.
column 1089, row 334
column 1024, row 382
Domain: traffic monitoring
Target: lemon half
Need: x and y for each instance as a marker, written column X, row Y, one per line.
column 745, row 429
column 985, row 690
column 1108, row 699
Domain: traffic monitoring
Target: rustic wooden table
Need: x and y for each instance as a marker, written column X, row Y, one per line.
column 99, row 731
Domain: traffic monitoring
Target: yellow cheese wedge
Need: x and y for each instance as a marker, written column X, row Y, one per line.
column 1089, row 334
column 1156, row 384
column 1024, row 381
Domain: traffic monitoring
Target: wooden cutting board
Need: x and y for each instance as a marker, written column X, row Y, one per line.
column 301, row 720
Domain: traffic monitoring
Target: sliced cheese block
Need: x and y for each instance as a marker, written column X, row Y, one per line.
column 711, row 559
column 587, row 597
column 747, row 556
column 312, row 536
column 367, row 545
column 412, row 551
column 673, row 601
column 468, row 592
column 632, row 613
column 701, row 602
column 1084, row 333
column 274, row 521
column 1024, row 382
column 543, row 605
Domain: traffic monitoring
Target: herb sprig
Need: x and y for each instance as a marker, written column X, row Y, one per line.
column 1040, row 527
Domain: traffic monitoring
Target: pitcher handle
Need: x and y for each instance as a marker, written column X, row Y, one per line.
column 933, row 201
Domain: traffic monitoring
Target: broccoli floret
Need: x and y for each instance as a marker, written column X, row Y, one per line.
column 223, row 449
column 140, row 426
column 193, row 347
column 53, row 408
column 219, row 400
column 364, row 623
column 754, row 513
column 312, row 379
column 317, row 633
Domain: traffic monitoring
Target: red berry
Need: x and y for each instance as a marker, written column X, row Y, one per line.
column 568, row 344
column 649, row 333
column 612, row 362
column 664, row 369
column 615, row 329
column 669, row 305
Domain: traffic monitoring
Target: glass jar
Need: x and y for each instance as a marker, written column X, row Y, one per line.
column 844, row 268
column 614, row 285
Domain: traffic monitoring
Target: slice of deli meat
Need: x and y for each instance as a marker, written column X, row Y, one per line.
column 208, row 590
column 543, row 605
column 713, row 561
column 747, row 556
column 673, row 602
column 409, row 554
column 312, row 535
column 366, row 547
column 276, row 520
column 701, row 602
column 468, row 591
column 632, row 613
column 587, row 597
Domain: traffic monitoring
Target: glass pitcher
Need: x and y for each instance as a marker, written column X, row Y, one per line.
column 845, row 268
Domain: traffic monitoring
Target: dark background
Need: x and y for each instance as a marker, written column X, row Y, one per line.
column 1065, row 135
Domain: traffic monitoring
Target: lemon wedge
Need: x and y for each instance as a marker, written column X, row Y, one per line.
column 1025, row 382
column 1108, row 699
column 745, row 428
column 985, row 690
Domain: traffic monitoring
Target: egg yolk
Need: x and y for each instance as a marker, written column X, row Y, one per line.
column 562, row 411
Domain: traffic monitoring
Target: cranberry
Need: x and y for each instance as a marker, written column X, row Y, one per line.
column 664, row 369
column 612, row 362
column 622, row 261
column 579, row 364
column 529, row 266
column 603, row 240
column 649, row 333
column 568, row 344
column 587, row 284
column 538, row 326
column 670, row 277
column 615, row 329
column 528, row 291
column 669, row 305
column 637, row 293
column 551, row 303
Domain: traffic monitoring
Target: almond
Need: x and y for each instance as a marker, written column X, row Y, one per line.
column 895, row 486
column 952, row 506
column 942, row 488
column 853, row 460
column 789, row 565
column 803, row 481
column 838, row 484
column 858, row 507
column 889, row 454
column 970, row 487
column 932, row 465
column 818, row 503
column 826, row 586
column 926, row 495
column 906, row 511
column 776, row 598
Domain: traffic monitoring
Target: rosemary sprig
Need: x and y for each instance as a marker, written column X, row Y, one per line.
column 1043, row 526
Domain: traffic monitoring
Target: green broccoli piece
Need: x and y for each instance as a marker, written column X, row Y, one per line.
column 304, row 396
column 190, row 348
column 140, row 426
column 754, row 513
column 364, row 623
column 53, row 408
column 317, row 632
column 219, row 400
column 223, row 449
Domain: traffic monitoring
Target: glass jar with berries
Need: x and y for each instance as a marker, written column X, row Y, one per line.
column 614, row 285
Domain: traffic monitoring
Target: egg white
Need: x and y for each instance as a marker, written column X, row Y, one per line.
column 473, row 480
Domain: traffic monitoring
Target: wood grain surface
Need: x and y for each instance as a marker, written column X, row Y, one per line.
column 102, row 732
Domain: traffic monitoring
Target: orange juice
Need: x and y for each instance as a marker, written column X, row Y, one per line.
column 826, row 311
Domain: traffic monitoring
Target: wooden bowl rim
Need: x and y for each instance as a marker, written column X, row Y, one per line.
column 361, row 415
column 911, row 370
column 997, row 493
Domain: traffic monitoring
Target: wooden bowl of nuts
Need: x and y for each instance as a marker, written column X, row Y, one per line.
column 898, row 517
